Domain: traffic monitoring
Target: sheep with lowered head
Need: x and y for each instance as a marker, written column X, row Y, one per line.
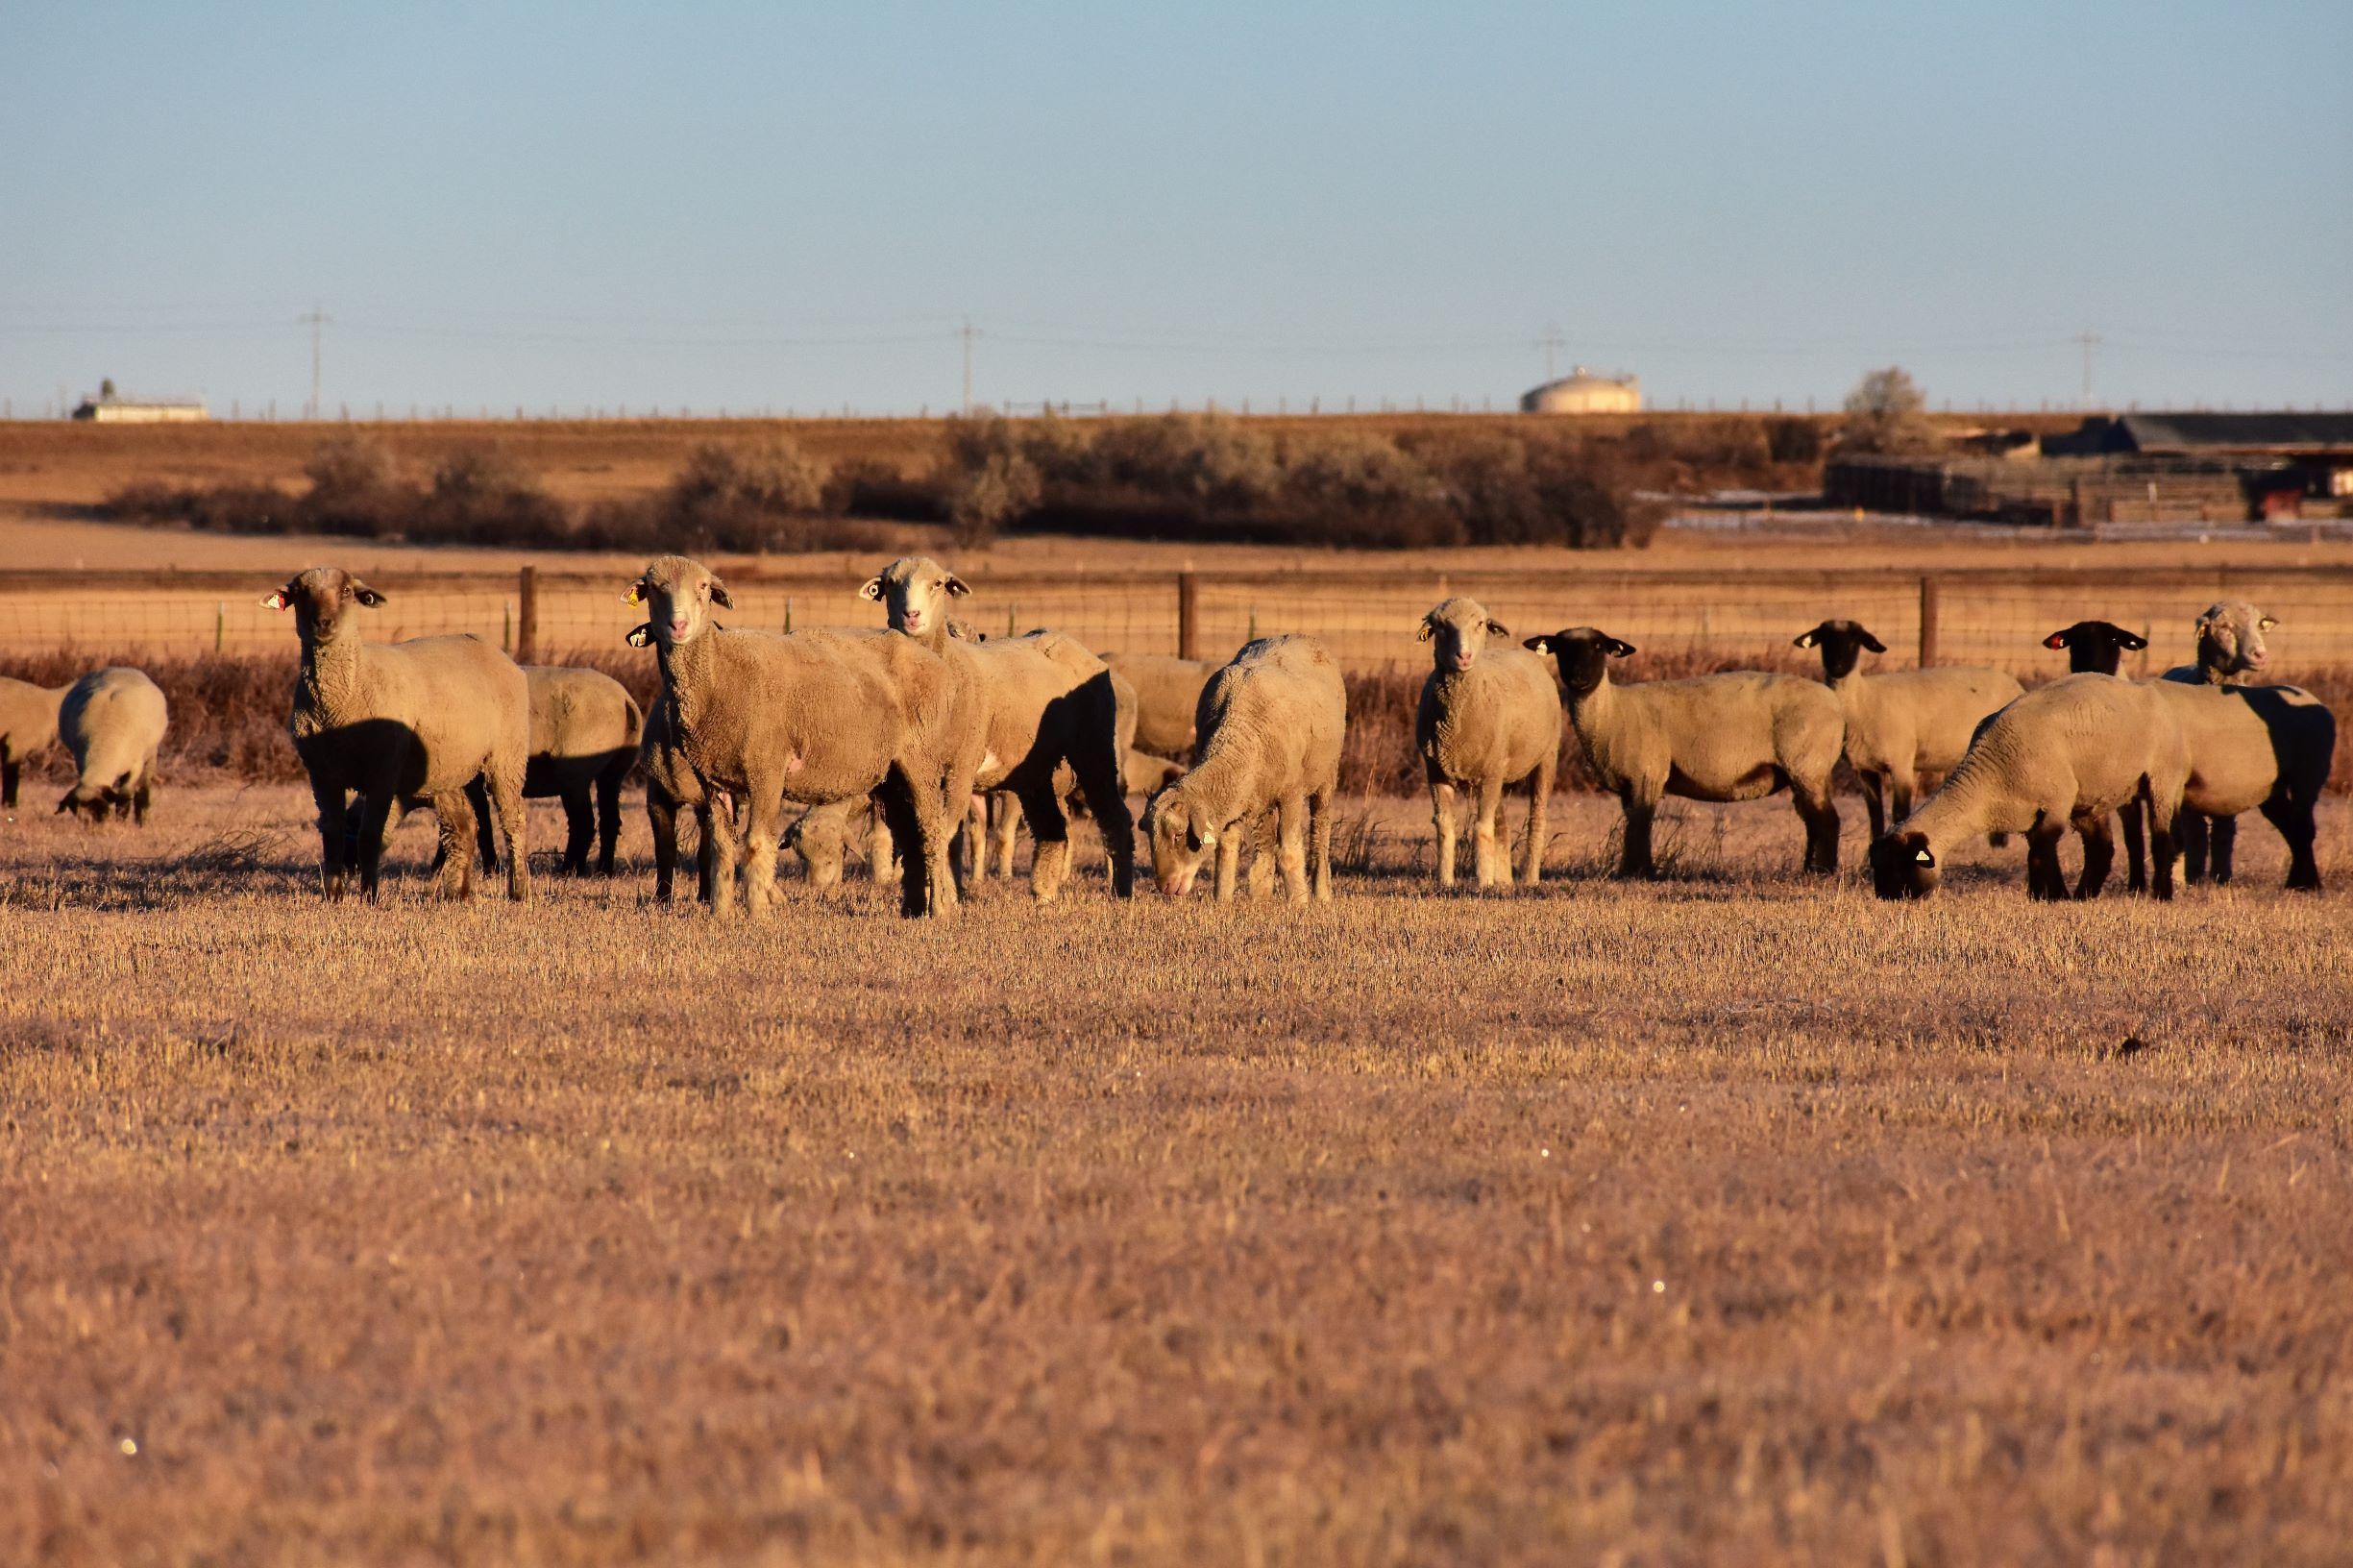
column 378, row 724
column 2071, row 752
column 1739, row 736
column 112, row 720
column 1271, row 724
column 28, row 727
column 1907, row 728
column 1488, row 718
column 812, row 717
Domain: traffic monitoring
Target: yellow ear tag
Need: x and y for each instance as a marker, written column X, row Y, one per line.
column 1924, row 857
column 636, row 594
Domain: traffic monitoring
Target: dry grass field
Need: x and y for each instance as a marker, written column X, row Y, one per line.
column 1727, row 1218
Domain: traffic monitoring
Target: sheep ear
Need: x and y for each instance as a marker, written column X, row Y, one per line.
column 873, row 588
column 2129, row 640
column 366, row 595
column 1806, row 639
column 1496, row 628
column 640, row 634
column 275, row 600
column 1537, row 644
column 1618, row 649
column 719, row 594
column 1874, row 644
column 636, row 594
column 2265, row 624
column 956, row 588
column 1424, row 632
column 2057, row 639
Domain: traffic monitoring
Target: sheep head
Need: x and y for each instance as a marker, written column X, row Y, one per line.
column 321, row 597
column 1583, row 654
column 915, row 591
column 678, row 595
column 2095, row 647
column 2230, row 639
column 1181, row 839
column 1903, row 866
column 1841, row 643
column 1458, row 630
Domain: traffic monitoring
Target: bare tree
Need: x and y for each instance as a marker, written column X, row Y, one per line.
column 1887, row 412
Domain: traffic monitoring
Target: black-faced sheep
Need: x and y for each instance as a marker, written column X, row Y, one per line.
column 1906, row 728
column 1488, row 718
column 1739, row 736
column 28, row 727
column 112, row 720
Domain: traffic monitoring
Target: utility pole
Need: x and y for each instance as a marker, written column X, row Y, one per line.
column 2090, row 341
column 967, row 331
column 1549, row 342
column 315, row 319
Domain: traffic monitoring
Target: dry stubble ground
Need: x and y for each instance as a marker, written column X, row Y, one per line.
column 1728, row 1217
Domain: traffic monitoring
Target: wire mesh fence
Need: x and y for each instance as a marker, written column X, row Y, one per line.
column 1367, row 617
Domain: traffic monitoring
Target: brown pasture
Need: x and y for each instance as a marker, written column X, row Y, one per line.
column 1728, row 1217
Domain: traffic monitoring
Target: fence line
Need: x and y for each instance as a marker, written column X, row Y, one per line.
column 1367, row 616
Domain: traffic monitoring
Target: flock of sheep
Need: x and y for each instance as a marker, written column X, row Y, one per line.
column 914, row 735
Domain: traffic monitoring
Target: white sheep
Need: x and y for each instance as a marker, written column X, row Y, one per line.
column 1739, row 736
column 28, row 727
column 391, row 724
column 2072, row 753
column 1046, row 702
column 1270, row 724
column 1906, row 728
column 112, row 720
column 1167, row 695
column 1488, row 718
column 812, row 717
column 586, row 731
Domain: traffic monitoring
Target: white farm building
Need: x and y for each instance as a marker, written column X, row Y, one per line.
column 1582, row 391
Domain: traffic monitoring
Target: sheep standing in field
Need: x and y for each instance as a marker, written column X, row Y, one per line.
column 1488, row 718
column 113, row 721
column 1739, row 736
column 585, row 735
column 388, row 723
column 1906, row 728
column 28, row 727
column 997, row 817
column 2072, row 753
column 1270, row 724
column 1047, row 703
column 814, row 717
column 1167, row 695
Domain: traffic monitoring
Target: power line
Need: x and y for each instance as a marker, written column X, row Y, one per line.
column 1550, row 341
column 317, row 318
column 2090, row 341
column 967, row 331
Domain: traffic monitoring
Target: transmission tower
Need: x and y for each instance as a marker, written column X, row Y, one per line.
column 1550, row 342
column 317, row 319
column 967, row 331
column 2090, row 341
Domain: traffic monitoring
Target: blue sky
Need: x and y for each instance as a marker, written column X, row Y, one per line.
column 748, row 206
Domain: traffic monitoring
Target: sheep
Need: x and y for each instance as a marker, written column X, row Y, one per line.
column 2073, row 751
column 812, row 717
column 1739, row 736
column 1000, row 813
column 2230, row 645
column 1271, row 724
column 1045, row 701
column 1167, row 692
column 28, row 727
column 112, row 720
column 1907, row 728
column 1142, row 772
column 586, row 731
column 1487, row 720
column 390, row 723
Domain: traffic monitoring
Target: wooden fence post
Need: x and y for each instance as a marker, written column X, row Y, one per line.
column 1927, row 622
column 1188, row 617
column 526, row 615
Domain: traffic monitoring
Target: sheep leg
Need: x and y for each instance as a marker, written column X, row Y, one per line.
column 2162, row 849
column 1818, row 808
column 11, row 774
column 706, row 852
column 1490, row 869
column 2136, row 874
column 2195, row 841
column 1004, row 827
column 335, row 838
column 913, row 813
column 1105, row 789
column 662, row 816
column 1319, row 845
column 1229, row 862
column 880, row 849
column 1903, row 788
column 143, row 795
column 1875, row 808
column 2294, row 821
column 507, row 795
column 580, row 829
column 374, row 807
column 608, row 817
column 1634, row 859
column 2044, row 881
column 1539, row 804
column 1443, row 821
column 719, row 831
column 1050, row 859
column 1292, row 847
column 2099, row 858
column 477, row 796
column 454, row 820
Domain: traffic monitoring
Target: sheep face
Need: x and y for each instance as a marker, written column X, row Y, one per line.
column 1583, row 654
column 1456, row 631
column 2230, row 638
column 1903, row 866
column 915, row 591
column 2095, row 647
column 1841, row 643
column 321, row 599
column 95, row 800
column 1182, row 842
column 679, row 594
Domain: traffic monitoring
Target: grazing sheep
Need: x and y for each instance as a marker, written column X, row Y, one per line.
column 1000, row 813
column 1270, row 726
column 2070, row 753
column 28, row 727
column 814, row 717
column 392, row 724
column 1488, row 718
column 113, row 721
column 1739, row 736
column 1143, row 773
column 1905, row 728
column 1167, row 692
column 1045, row 702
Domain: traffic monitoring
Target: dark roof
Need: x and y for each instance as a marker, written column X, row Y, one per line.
column 2270, row 433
